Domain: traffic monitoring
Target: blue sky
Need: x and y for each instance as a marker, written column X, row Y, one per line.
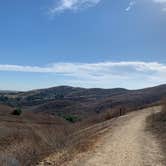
column 88, row 43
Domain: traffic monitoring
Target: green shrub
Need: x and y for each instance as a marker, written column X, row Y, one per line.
column 71, row 118
column 17, row 111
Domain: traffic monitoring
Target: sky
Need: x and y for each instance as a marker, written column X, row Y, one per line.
column 82, row 43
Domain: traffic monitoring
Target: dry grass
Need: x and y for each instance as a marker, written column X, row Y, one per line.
column 80, row 141
column 156, row 124
column 28, row 143
column 28, row 138
column 84, row 137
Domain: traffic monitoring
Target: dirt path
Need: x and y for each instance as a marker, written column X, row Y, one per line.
column 125, row 144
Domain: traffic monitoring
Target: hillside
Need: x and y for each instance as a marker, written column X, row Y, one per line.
column 25, row 138
column 122, row 142
column 46, row 123
column 64, row 100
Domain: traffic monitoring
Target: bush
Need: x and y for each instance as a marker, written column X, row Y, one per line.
column 17, row 111
column 71, row 118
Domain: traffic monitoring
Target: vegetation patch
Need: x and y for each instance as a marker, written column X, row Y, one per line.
column 17, row 112
column 71, row 118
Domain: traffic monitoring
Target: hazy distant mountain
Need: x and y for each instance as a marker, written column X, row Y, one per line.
column 82, row 102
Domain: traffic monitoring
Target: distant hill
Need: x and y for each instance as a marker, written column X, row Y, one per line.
column 65, row 100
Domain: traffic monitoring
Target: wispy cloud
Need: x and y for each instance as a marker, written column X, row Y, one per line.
column 164, row 9
column 105, row 74
column 162, row 3
column 131, row 4
column 86, row 67
column 64, row 5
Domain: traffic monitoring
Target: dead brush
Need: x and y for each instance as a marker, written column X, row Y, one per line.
column 164, row 105
column 156, row 124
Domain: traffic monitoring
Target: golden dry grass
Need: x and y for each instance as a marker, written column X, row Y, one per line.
column 30, row 137
column 156, row 123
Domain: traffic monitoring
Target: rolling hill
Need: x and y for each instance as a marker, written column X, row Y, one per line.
column 81, row 102
column 45, row 123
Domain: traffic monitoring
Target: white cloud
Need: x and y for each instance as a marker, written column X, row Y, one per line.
column 86, row 67
column 63, row 5
column 131, row 4
column 74, row 5
column 164, row 9
column 162, row 3
column 104, row 74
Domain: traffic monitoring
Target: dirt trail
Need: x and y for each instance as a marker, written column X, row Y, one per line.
column 126, row 143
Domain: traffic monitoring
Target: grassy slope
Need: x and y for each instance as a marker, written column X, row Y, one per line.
column 28, row 137
column 156, row 124
column 25, row 138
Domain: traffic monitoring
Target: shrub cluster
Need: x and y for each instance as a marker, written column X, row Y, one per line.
column 71, row 118
column 17, row 111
